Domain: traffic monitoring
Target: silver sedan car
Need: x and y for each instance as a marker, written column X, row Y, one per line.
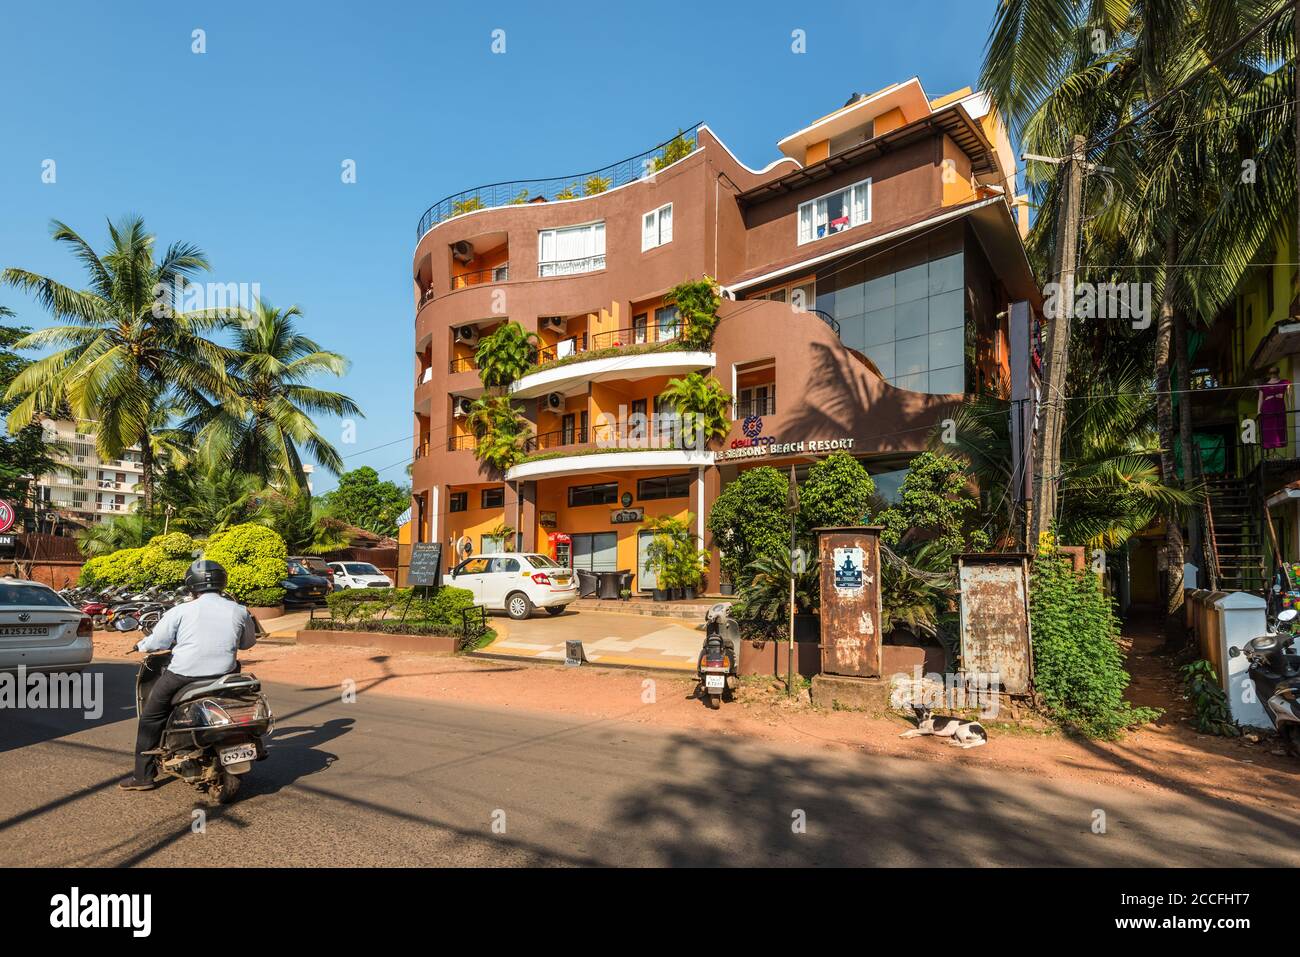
column 39, row 630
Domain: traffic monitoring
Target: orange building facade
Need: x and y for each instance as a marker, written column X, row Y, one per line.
column 867, row 277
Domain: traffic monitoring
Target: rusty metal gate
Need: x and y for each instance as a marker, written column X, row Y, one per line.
column 850, row 600
column 995, row 637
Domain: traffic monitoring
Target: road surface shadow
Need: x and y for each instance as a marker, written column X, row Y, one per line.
column 20, row 727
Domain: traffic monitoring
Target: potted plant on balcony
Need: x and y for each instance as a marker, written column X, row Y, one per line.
column 697, row 302
column 703, row 405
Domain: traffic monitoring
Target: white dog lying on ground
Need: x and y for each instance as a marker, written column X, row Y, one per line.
column 961, row 734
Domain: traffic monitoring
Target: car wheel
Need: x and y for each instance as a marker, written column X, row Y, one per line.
column 556, row 610
column 518, row 606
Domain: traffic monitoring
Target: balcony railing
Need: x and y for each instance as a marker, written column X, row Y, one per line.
column 571, row 267
column 647, row 334
column 462, row 443
column 463, row 364
column 668, row 435
column 481, row 277
column 760, row 406
column 518, row 192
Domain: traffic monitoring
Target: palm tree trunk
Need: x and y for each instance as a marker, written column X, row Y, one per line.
column 146, row 473
column 1165, row 423
column 1191, row 466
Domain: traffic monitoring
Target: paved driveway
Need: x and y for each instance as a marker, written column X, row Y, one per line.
column 632, row 640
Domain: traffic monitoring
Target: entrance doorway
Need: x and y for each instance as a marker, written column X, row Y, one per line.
column 596, row 551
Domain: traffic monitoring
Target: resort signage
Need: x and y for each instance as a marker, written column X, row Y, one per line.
column 767, row 445
column 627, row 516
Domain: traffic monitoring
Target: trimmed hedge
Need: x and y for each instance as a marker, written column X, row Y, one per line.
column 163, row 561
column 253, row 556
column 382, row 606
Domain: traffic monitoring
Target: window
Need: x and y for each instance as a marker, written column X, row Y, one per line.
column 503, row 565
column 657, row 227
column 835, row 213
column 639, row 329
column 668, row 323
column 593, row 494
column 472, row 566
column 458, row 502
column 664, row 486
column 756, row 400
column 573, row 249
column 493, row 497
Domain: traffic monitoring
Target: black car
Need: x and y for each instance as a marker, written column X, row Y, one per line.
column 301, row 587
column 314, row 566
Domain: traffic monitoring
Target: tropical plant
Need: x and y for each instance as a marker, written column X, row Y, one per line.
column 916, row 588
column 470, row 205
column 836, row 491
column 697, row 302
column 1200, row 683
column 677, row 148
column 748, row 521
column 596, row 184
column 363, row 501
column 304, row 522
column 935, row 501
column 503, row 533
column 704, row 408
column 672, row 554
column 505, row 355
column 1078, row 668
column 500, row 430
column 253, row 556
column 126, row 349
column 118, row 533
column 258, row 424
column 204, row 498
column 1110, row 486
column 765, row 595
column 569, row 192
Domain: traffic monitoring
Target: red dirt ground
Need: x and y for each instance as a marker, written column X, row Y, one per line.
column 1168, row 754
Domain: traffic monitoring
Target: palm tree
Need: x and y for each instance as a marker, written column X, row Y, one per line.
column 203, row 499
column 125, row 531
column 124, row 348
column 703, row 404
column 258, row 424
column 505, row 355
column 304, row 522
column 499, row 428
column 1139, row 79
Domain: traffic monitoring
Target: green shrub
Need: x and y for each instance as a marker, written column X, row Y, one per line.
column 748, row 521
column 837, row 491
column 265, row 597
column 1078, row 668
column 1201, row 687
column 381, row 605
column 253, row 556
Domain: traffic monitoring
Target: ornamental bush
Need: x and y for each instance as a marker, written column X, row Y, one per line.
column 1078, row 668
column 166, row 558
column 253, row 556
column 837, row 491
column 748, row 521
column 388, row 605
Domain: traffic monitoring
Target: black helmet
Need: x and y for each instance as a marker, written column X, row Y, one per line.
column 204, row 576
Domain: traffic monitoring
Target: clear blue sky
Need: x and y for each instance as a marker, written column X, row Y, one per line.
column 239, row 149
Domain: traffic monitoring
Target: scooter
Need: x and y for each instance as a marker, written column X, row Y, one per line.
column 215, row 730
column 1275, row 673
column 717, row 666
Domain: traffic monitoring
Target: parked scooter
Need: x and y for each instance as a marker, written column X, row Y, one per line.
column 718, row 668
column 1275, row 673
column 215, row 730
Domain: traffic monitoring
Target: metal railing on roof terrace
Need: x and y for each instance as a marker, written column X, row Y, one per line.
column 518, row 192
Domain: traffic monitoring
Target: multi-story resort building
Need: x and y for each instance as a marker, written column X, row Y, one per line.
column 867, row 274
column 95, row 489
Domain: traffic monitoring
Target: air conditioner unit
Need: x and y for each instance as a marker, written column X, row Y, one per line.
column 467, row 335
column 462, row 252
column 554, row 402
column 555, row 323
column 460, row 407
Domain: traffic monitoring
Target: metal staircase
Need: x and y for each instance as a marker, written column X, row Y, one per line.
column 1234, row 542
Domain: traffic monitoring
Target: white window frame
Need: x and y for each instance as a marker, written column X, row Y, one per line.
column 855, row 218
column 657, row 228
column 590, row 263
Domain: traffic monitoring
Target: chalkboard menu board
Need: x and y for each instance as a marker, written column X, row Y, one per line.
column 426, row 564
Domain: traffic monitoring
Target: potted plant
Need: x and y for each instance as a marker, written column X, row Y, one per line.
column 692, row 565
column 663, row 554
column 266, row 603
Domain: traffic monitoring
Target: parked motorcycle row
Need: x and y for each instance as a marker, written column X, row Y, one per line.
column 1275, row 675
column 106, row 605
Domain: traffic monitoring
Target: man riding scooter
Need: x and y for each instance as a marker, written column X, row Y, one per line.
column 204, row 635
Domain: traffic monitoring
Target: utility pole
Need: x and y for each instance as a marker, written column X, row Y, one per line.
column 1048, row 451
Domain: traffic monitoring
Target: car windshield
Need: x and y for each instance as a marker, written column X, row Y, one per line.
column 22, row 593
column 541, row 561
column 360, row 568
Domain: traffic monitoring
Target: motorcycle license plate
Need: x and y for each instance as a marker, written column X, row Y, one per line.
column 238, row 754
column 715, row 682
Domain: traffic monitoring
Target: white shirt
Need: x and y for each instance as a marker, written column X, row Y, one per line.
column 203, row 635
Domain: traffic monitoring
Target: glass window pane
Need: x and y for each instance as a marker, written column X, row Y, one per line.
column 946, row 348
column 912, row 318
column 883, row 356
column 911, row 283
column 946, row 274
column 946, row 311
column 853, row 332
column 879, row 327
column 948, row 381
column 878, row 293
column 920, row 382
column 911, row 356
column 848, row 301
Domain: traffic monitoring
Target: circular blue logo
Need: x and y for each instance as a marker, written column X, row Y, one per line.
column 752, row 426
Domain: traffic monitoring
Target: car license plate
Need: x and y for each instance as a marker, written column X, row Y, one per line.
column 238, row 754
column 715, row 682
column 24, row 631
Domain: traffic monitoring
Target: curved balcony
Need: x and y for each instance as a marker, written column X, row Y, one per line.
column 575, row 186
column 632, row 353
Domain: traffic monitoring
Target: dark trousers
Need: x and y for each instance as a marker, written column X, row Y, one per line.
column 157, row 709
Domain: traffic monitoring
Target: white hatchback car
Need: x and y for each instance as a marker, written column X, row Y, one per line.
column 516, row 583
column 358, row 575
column 39, row 630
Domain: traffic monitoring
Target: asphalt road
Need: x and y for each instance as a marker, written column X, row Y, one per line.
column 387, row 780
